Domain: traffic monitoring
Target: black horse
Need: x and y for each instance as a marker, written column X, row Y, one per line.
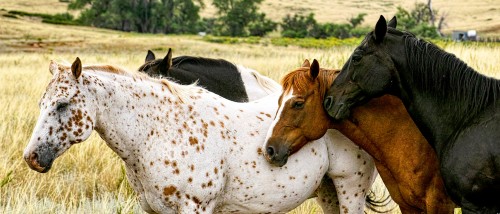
column 456, row 108
column 216, row 75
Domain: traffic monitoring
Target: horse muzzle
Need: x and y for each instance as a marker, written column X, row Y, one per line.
column 337, row 110
column 276, row 153
column 40, row 162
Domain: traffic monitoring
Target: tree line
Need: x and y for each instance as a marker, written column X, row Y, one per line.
column 234, row 18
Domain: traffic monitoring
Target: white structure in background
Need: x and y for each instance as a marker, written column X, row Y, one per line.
column 460, row 35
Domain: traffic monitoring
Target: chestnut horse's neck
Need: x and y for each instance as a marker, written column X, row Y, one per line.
column 376, row 125
column 380, row 126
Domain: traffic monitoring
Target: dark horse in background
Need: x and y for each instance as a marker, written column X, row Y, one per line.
column 235, row 83
column 456, row 108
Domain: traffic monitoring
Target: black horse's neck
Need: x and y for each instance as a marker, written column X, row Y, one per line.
column 440, row 91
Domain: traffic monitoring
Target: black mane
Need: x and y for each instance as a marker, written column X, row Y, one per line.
column 449, row 78
column 183, row 61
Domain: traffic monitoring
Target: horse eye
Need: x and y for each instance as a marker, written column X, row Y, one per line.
column 62, row 106
column 298, row 105
column 356, row 58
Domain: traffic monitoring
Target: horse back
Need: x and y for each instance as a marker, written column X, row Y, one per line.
column 216, row 75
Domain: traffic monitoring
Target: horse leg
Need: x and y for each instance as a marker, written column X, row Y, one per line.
column 352, row 170
column 436, row 200
column 327, row 196
column 136, row 185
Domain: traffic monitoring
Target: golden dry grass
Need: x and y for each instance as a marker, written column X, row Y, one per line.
column 89, row 177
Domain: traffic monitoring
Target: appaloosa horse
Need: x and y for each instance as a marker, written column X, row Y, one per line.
column 185, row 150
column 456, row 108
column 382, row 127
column 233, row 82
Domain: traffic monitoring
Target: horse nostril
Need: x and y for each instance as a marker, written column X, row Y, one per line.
column 270, row 151
column 328, row 102
column 33, row 156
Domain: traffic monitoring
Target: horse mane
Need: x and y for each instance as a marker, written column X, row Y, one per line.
column 267, row 84
column 107, row 68
column 179, row 61
column 178, row 90
column 300, row 79
column 443, row 74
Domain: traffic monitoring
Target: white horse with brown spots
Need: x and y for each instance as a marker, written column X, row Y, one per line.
column 186, row 150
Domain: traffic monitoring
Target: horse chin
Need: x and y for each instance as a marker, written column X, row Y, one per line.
column 339, row 112
column 35, row 163
column 279, row 163
column 38, row 168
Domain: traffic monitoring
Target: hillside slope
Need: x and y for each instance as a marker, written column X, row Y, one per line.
column 483, row 16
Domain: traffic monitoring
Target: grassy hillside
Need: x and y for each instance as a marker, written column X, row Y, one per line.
column 89, row 177
column 483, row 15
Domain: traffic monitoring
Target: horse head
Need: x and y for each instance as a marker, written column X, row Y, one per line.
column 157, row 67
column 301, row 117
column 369, row 72
column 66, row 117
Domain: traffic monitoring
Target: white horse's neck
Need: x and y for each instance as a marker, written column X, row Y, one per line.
column 133, row 114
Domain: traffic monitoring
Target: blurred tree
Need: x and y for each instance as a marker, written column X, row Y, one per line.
column 261, row 26
column 240, row 18
column 355, row 21
column 298, row 26
column 420, row 20
column 145, row 16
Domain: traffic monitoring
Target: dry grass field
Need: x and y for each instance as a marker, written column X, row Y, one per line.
column 89, row 178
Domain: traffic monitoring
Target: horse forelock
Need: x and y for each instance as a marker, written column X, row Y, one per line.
column 149, row 64
column 299, row 80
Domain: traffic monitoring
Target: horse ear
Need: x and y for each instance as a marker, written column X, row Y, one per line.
column 380, row 29
column 76, row 68
column 306, row 63
column 393, row 22
column 53, row 67
column 166, row 63
column 314, row 70
column 150, row 56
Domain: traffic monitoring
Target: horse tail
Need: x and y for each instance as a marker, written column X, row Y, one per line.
column 379, row 204
column 267, row 84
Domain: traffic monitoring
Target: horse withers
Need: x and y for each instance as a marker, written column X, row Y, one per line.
column 456, row 108
column 405, row 161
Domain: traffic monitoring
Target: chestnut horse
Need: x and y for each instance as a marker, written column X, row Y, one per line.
column 406, row 162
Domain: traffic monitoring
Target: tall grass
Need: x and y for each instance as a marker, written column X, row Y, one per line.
column 89, row 177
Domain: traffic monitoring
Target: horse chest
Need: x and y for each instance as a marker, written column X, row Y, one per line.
column 254, row 186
